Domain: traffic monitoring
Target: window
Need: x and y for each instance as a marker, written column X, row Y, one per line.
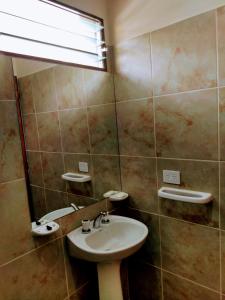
column 49, row 30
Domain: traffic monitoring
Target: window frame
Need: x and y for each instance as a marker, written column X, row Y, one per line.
column 36, row 58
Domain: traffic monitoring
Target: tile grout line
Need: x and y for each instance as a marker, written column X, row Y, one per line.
column 156, row 170
column 219, row 151
column 89, row 133
column 181, row 277
column 191, row 281
column 7, row 100
column 171, row 94
column 76, row 153
column 60, row 129
column 39, row 144
column 176, row 219
column 53, row 190
column 79, row 289
column 65, row 109
column 171, row 158
column 117, row 127
column 30, row 251
column 13, row 180
column 125, row 155
column 65, row 269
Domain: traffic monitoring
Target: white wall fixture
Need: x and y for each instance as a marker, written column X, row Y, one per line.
column 172, row 177
column 76, row 177
column 115, row 195
column 185, row 195
column 44, row 228
column 83, row 166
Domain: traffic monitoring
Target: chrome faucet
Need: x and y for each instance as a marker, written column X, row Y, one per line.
column 99, row 219
column 75, row 207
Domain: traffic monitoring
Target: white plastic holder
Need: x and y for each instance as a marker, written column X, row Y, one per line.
column 116, row 195
column 76, row 177
column 185, row 195
column 45, row 228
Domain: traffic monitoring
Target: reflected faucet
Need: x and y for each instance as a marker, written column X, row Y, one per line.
column 74, row 206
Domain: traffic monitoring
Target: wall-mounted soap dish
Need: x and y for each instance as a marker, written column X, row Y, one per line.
column 185, row 195
column 76, row 177
column 115, row 195
column 44, row 228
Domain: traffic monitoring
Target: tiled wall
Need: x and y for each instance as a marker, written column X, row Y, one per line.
column 170, row 95
column 69, row 116
column 36, row 268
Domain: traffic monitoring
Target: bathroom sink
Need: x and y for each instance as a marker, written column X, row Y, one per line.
column 118, row 239
column 107, row 246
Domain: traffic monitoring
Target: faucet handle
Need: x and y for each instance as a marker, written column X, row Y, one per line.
column 86, row 226
column 105, row 218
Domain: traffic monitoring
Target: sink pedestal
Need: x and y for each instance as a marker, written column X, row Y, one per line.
column 109, row 281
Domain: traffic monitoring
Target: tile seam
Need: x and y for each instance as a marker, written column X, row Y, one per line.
column 176, row 219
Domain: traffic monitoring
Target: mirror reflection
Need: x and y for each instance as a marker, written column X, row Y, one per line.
column 70, row 136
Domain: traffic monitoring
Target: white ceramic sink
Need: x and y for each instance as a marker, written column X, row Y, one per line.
column 120, row 238
column 107, row 246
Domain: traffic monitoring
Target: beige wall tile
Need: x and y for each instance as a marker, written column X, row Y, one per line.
column 37, row 275
column 191, row 251
column 106, row 174
column 26, row 95
column 222, row 195
column 185, row 124
column 99, row 87
column 103, row 129
column 74, row 131
column 222, row 122
column 223, row 260
column 30, row 132
column 49, row 134
column 221, row 44
column 53, row 169
column 55, row 200
column 175, row 288
column 35, row 168
column 69, row 87
column 82, row 201
column 138, row 177
column 11, row 164
column 44, row 94
column 184, row 55
column 6, row 78
column 15, row 234
column 38, row 201
column 133, row 69
column 136, row 127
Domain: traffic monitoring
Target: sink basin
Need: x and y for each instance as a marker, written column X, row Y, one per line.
column 116, row 240
column 107, row 246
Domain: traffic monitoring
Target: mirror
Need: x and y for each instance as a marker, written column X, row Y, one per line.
column 69, row 126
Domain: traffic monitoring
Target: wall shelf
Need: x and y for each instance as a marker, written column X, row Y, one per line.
column 185, row 195
column 76, row 177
